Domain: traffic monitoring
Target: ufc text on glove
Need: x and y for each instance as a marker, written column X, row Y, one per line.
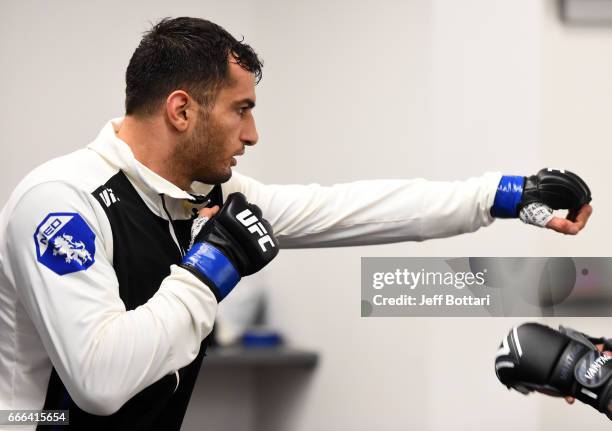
column 235, row 243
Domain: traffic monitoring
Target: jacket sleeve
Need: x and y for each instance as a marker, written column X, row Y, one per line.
column 370, row 212
column 103, row 353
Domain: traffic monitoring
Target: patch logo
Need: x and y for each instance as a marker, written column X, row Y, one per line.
column 65, row 243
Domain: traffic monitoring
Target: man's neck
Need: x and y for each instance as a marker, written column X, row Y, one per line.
column 152, row 146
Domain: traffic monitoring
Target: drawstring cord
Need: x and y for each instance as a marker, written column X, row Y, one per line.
column 172, row 224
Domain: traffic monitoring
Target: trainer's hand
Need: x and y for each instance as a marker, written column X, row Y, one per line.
column 561, row 363
column 574, row 223
column 571, row 400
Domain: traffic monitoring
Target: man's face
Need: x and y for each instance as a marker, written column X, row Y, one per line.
column 221, row 133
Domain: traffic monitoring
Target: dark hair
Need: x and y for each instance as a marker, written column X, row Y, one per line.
column 183, row 53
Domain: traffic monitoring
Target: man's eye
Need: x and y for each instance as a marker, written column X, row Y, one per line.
column 242, row 111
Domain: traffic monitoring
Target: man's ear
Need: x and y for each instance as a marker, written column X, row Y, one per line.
column 180, row 110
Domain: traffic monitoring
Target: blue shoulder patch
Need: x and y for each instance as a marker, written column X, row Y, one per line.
column 65, row 243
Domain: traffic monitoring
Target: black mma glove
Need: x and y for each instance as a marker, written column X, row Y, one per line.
column 534, row 198
column 559, row 189
column 559, row 363
column 236, row 242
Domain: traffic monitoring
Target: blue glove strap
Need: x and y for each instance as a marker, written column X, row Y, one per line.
column 508, row 197
column 214, row 265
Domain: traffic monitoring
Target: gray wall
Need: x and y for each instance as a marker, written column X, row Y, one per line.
column 356, row 90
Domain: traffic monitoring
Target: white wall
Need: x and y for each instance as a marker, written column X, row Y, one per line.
column 355, row 90
column 63, row 66
column 576, row 102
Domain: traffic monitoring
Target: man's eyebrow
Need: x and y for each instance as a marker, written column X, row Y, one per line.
column 248, row 101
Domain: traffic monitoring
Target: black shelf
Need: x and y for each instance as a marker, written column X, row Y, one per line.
column 260, row 357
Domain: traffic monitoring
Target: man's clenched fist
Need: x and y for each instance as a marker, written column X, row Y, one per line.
column 533, row 199
column 235, row 242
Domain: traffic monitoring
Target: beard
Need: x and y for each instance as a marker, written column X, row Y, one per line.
column 201, row 154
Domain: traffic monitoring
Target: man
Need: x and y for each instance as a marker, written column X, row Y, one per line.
column 106, row 295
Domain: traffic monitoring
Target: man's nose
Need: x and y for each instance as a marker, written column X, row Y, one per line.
column 249, row 133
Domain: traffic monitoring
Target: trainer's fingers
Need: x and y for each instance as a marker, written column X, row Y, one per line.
column 600, row 347
column 208, row 212
column 562, row 225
